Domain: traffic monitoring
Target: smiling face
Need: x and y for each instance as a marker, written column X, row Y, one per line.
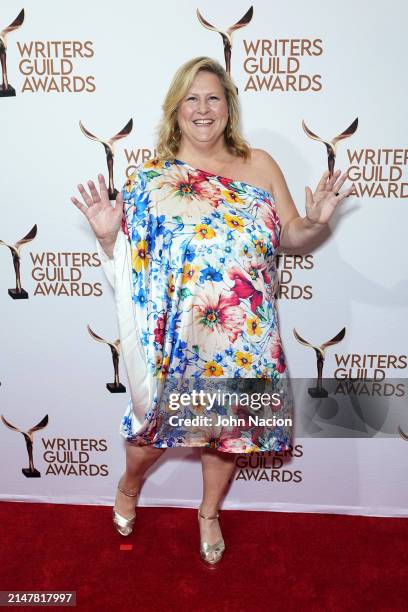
column 202, row 114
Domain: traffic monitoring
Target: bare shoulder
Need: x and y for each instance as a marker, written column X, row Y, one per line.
column 261, row 156
column 266, row 166
column 263, row 160
column 269, row 170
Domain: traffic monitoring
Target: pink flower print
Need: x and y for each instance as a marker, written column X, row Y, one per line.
column 159, row 329
column 218, row 316
column 278, row 355
column 244, row 289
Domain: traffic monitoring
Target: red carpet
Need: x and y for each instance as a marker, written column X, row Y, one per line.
column 273, row 561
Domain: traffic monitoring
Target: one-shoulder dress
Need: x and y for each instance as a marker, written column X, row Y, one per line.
column 195, row 281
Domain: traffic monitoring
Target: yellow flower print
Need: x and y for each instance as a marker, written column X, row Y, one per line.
column 190, row 273
column 244, row 360
column 130, row 181
column 139, row 256
column 251, row 449
column 203, row 231
column 212, row 368
column 260, row 246
column 234, row 222
column 231, row 197
column 253, row 327
column 164, row 368
column 153, row 163
column 171, row 287
column 198, row 409
column 265, row 374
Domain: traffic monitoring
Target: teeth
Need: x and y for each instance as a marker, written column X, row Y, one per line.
column 203, row 121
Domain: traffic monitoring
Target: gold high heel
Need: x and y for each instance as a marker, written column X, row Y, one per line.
column 123, row 525
column 211, row 553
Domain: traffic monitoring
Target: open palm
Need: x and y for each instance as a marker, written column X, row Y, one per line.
column 321, row 204
column 104, row 218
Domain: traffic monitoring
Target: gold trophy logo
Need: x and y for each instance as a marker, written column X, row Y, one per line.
column 320, row 351
column 19, row 293
column 403, row 435
column 6, row 90
column 116, row 386
column 109, row 146
column 31, row 471
column 227, row 35
column 331, row 145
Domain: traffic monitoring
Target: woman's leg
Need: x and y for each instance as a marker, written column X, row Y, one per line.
column 217, row 469
column 138, row 460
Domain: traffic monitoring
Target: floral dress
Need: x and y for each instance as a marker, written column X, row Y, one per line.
column 204, row 280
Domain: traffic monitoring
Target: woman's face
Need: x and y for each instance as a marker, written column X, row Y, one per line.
column 203, row 112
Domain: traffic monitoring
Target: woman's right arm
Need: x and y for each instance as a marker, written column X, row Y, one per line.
column 104, row 219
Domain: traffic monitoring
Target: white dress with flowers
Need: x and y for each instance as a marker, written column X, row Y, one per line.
column 195, row 278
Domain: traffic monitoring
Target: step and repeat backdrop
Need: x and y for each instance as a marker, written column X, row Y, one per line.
column 82, row 86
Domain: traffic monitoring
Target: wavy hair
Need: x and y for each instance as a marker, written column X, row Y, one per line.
column 169, row 133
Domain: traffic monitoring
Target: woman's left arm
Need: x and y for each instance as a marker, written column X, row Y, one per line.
column 301, row 235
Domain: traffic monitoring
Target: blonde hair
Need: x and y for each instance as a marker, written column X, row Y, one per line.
column 168, row 132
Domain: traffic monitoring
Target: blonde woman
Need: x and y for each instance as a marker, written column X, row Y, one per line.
column 190, row 248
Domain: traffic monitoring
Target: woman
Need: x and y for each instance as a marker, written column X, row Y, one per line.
column 191, row 255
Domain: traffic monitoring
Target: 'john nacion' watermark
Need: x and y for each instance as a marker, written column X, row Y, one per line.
column 229, row 421
column 241, row 401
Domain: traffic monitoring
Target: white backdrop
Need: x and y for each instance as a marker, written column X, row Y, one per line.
column 118, row 60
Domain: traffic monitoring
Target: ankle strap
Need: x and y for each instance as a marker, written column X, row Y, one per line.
column 208, row 517
column 128, row 494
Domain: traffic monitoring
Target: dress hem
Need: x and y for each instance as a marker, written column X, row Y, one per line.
column 258, row 450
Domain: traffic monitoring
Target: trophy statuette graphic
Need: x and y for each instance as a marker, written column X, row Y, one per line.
column 227, row 35
column 116, row 386
column 331, row 145
column 6, row 90
column 320, row 351
column 403, row 435
column 19, row 293
column 109, row 146
column 31, row 471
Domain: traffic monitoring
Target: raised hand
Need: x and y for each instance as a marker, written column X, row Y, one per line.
column 321, row 204
column 104, row 219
